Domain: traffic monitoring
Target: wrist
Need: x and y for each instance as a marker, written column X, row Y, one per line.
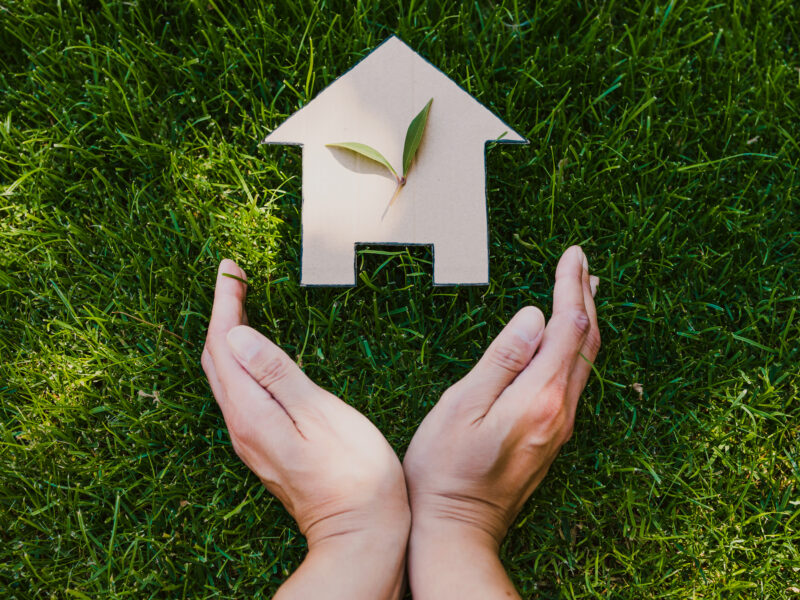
column 367, row 562
column 390, row 522
column 390, row 532
column 450, row 559
column 459, row 516
column 437, row 530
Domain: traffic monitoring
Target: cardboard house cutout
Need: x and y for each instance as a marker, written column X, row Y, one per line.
column 345, row 196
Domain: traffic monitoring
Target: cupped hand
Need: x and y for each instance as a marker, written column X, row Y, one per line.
column 327, row 464
column 489, row 441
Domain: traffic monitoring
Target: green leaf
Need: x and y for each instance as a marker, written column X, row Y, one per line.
column 414, row 137
column 366, row 151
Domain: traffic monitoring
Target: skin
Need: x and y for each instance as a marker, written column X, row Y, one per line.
column 327, row 464
column 489, row 441
column 473, row 462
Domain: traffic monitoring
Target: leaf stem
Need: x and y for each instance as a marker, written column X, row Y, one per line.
column 400, row 184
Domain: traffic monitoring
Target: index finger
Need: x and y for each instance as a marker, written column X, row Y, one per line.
column 229, row 296
column 565, row 333
column 242, row 400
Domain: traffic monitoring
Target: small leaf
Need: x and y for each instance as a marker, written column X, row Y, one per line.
column 414, row 137
column 366, row 151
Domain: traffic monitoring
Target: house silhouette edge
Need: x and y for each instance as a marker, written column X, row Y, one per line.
column 513, row 137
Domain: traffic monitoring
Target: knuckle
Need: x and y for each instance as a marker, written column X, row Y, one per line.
column 269, row 368
column 550, row 415
column 557, row 386
column 593, row 342
column 546, row 426
column 512, row 354
column 567, row 432
column 580, row 322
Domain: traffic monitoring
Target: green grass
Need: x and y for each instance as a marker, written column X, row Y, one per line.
column 665, row 139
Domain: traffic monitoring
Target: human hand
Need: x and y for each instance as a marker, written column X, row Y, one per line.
column 489, row 441
column 327, row 464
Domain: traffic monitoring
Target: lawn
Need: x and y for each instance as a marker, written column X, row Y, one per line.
column 665, row 138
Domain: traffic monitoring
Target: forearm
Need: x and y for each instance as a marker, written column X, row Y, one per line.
column 363, row 565
column 446, row 561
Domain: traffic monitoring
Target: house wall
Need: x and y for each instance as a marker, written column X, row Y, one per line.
column 443, row 203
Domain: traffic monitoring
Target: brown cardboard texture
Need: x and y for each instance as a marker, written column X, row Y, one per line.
column 346, row 196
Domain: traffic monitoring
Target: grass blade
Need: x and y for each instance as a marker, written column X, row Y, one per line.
column 368, row 152
column 414, row 137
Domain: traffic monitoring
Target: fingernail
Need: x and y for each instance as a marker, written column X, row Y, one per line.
column 225, row 265
column 585, row 261
column 526, row 335
column 228, row 267
column 594, row 281
column 244, row 342
column 528, row 324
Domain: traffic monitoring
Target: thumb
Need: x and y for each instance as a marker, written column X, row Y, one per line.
column 506, row 357
column 270, row 366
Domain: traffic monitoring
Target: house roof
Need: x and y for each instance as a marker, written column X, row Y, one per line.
column 392, row 74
